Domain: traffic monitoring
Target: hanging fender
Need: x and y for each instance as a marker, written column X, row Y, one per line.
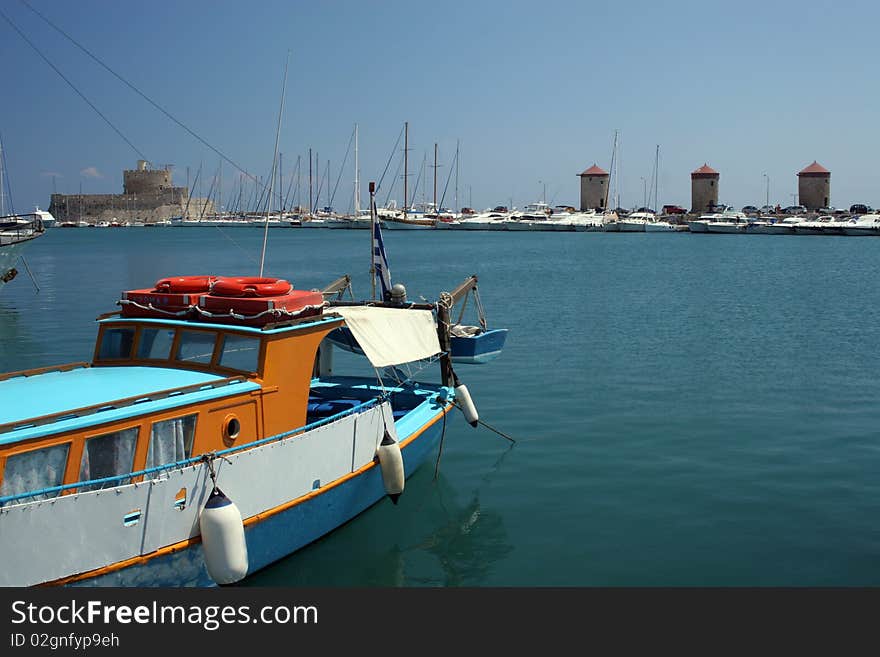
column 250, row 286
column 466, row 404
column 223, row 541
column 391, row 463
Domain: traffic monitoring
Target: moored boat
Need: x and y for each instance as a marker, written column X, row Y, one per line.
column 117, row 467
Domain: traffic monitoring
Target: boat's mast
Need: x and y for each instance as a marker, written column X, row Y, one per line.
column 373, row 238
column 310, row 182
column 611, row 170
column 457, row 145
column 405, row 162
column 218, row 209
column 274, row 163
column 436, row 209
column 357, row 182
column 2, row 196
column 656, row 176
column 280, row 185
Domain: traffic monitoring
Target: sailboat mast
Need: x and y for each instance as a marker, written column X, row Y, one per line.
column 274, row 164
column 611, row 170
column 357, row 182
column 457, row 146
column 373, row 220
column 310, row 182
column 2, row 197
column 656, row 176
column 405, row 162
column 436, row 209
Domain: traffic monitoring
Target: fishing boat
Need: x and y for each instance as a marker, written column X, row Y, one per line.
column 210, row 436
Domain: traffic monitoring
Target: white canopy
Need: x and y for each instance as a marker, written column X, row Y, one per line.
column 391, row 336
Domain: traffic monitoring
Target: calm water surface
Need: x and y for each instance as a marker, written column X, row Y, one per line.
column 688, row 409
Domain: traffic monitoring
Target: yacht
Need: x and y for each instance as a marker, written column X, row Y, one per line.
column 659, row 226
column 866, row 224
column 822, row 225
column 728, row 221
column 635, row 222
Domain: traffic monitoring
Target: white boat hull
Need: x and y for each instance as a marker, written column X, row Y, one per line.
column 625, row 226
column 725, row 228
column 329, row 470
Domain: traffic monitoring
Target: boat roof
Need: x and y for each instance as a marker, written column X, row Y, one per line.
column 56, row 392
column 324, row 319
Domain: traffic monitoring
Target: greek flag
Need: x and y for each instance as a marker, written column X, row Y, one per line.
column 380, row 262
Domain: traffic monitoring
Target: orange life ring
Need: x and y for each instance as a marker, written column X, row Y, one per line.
column 250, row 286
column 185, row 284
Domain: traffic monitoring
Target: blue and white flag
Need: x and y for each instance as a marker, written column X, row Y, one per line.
column 380, row 262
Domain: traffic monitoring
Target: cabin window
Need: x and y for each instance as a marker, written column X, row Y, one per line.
column 108, row 456
column 240, row 352
column 196, row 346
column 35, row 470
column 155, row 343
column 116, row 343
column 171, row 440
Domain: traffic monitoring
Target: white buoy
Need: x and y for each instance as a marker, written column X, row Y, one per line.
column 391, row 463
column 223, row 541
column 466, row 404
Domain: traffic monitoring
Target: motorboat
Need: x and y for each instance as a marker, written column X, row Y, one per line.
column 635, row 222
column 863, row 225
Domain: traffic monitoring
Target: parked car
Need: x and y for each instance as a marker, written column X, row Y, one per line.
column 768, row 209
column 673, row 209
column 749, row 209
column 859, row 208
column 795, row 209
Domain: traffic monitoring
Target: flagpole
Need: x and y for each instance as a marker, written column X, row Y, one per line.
column 373, row 237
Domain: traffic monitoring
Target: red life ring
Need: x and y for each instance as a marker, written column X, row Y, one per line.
column 250, row 286
column 185, row 284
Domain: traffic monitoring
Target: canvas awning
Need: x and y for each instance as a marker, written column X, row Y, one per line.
column 391, row 336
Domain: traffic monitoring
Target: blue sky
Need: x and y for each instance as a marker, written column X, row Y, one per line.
column 532, row 92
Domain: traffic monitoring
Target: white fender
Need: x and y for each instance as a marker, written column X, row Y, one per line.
column 391, row 463
column 223, row 541
column 467, row 405
column 325, row 359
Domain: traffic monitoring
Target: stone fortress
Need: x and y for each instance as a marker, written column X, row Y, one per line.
column 148, row 196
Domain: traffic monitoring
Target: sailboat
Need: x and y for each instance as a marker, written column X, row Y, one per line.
column 16, row 230
column 401, row 219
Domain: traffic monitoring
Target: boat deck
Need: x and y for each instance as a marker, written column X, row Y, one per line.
column 44, row 402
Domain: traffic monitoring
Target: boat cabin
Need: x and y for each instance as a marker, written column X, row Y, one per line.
column 157, row 391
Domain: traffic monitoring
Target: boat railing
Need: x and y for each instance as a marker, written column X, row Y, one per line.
column 126, row 478
column 115, row 404
column 43, row 370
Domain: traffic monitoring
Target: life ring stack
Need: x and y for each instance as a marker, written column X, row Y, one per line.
column 242, row 300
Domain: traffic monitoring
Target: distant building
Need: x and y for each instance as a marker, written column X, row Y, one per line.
column 594, row 188
column 148, row 196
column 704, row 188
column 814, row 186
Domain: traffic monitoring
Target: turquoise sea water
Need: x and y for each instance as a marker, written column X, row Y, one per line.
column 688, row 409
